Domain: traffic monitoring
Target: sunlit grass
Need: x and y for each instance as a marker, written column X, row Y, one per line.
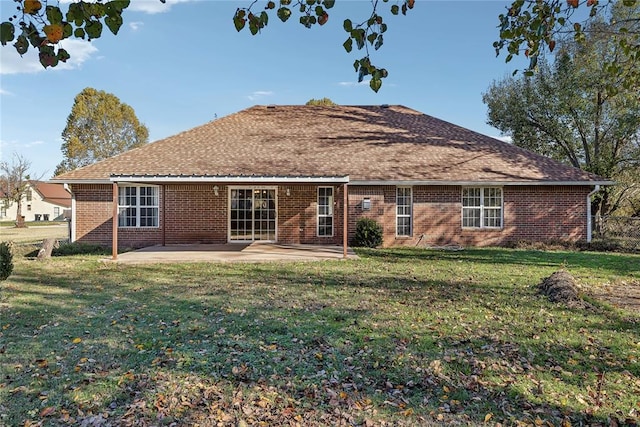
column 402, row 335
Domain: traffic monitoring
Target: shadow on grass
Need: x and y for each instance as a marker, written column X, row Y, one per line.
column 322, row 336
column 623, row 264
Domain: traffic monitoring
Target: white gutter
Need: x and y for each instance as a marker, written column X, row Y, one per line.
column 72, row 232
column 122, row 179
column 589, row 220
column 478, row 183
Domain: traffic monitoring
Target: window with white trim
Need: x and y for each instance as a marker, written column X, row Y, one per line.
column 403, row 211
column 482, row 207
column 138, row 206
column 56, row 212
column 325, row 211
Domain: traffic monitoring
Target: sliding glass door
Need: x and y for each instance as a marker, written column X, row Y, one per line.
column 252, row 213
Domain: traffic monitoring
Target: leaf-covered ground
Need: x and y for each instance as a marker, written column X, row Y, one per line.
column 399, row 337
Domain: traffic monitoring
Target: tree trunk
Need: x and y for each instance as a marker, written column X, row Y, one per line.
column 19, row 217
column 47, row 248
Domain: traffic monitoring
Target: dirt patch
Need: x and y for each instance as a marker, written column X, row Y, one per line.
column 625, row 294
column 561, row 288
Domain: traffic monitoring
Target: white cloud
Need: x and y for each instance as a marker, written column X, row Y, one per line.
column 12, row 63
column 146, row 6
column 17, row 146
column 353, row 84
column 153, row 6
column 136, row 25
column 5, row 92
column 259, row 94
column 504, row 138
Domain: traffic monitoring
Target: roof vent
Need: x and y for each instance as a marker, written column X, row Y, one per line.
column 384, row 106
column 271, row 106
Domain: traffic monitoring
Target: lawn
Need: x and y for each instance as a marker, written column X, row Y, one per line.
column 400, row 337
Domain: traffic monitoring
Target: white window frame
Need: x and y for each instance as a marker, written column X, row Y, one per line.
column 325, row 214
column 404, row 214
column 137, row 206
column 484, row 209
column 229, row 209
column 56, row 211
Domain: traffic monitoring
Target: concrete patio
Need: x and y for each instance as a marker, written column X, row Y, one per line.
column 254, row 252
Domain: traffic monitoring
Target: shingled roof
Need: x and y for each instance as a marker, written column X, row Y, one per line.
column 53, row 193
column 367, row 143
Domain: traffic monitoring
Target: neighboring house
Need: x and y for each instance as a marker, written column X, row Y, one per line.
column 283, row 173
column 42, row 201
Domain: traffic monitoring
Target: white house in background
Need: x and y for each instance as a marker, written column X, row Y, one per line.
column 42, row 201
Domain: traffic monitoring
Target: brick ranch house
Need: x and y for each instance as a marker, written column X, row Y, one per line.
column 306, row 174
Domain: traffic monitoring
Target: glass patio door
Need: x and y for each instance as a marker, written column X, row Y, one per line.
column 252, row 214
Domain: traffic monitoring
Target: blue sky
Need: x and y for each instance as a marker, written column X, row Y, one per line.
column 182, row 64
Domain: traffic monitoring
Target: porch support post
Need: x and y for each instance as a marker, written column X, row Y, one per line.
column 345, row 222
column 114, row 232
column 164, row 215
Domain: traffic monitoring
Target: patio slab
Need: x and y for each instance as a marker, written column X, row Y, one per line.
column 232, row 252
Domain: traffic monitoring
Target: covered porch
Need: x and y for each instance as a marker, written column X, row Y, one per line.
column 213, row 210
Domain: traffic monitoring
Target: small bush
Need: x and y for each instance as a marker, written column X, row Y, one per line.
column 6, row 260
column 368, row 233
column 67, row 249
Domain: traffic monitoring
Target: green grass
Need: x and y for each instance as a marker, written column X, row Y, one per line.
column 402, row 336
column 12, row 223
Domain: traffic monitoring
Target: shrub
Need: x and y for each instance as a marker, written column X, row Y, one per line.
column 368, row 233
column 6, row 260
column 67, row 249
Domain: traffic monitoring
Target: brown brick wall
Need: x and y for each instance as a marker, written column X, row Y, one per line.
column 531, row 213
column 194, row 214
column 297, row 215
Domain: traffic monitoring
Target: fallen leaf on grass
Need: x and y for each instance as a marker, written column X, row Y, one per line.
column 77, row 340
column 49, row 410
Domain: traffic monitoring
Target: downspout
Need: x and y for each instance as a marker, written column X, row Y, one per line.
column 589, row 220
column 72, row 225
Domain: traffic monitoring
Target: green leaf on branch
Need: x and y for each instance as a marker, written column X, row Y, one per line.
column 116, row 6
column 348, row 45
column 79, row 33
column 395, row 9
column 93, row 29
column 113, row 23
column 375, row 84
column 239, row 22
column 347, row 25
column 47, row 56
column 284, row 13
column 67, row 30
column 75, row 14
column 21, row 45
column 6, row 33
column 329, row 3
column 378, row 43
column 54, row 15
column 63, row 55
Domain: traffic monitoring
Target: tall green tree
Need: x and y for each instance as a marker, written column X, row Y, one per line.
column 323, row 101
column 99, row 126
column 534, row 27
column 575, row 111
